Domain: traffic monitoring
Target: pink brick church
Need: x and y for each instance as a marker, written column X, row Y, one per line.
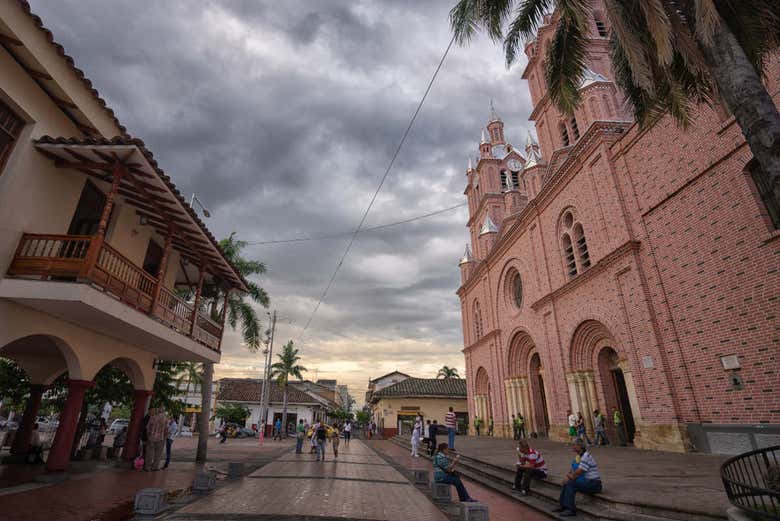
column 615, row 267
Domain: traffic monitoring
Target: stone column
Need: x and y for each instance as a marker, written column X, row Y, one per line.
column 508, row 393
column 136, row 423
column 24, row 433
column 585, row 408
column 593, row 398
column 571, row 380
column 59, row 455
column 525, row 392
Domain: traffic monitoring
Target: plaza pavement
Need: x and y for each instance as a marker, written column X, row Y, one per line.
column 688, row 482
column 102, row 492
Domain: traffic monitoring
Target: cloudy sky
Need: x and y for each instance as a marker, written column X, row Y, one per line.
column 282, row 117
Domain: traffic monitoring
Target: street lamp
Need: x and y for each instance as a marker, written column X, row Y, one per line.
column 194, row 199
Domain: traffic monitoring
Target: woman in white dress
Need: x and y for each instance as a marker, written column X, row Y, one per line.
column 416, row 433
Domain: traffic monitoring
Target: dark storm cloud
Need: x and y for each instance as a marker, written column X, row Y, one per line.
column 282, row 117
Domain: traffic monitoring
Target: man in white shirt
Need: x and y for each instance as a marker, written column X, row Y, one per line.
column 347, row 432
column 586, row 478
column 173, row 430
column 572, row 425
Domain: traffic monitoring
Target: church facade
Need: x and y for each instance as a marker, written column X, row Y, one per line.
column 613, row 267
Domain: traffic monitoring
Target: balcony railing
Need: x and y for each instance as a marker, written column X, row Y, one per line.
column 71, row 258
column 752, row 482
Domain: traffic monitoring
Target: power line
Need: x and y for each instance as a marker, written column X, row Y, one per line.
column 378, row 188
column 364, row 230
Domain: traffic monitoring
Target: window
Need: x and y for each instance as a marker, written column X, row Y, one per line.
column 517, row 289
column 564, row 134
column 574, row 128
column 568, row 253
column 477, row 321
column 582, row 246
column 10, row 128
column 575, row 247
column 516, row 179
column 601, row 28
column 764, row 189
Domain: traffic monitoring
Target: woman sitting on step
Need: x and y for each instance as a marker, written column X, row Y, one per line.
column 444, row 472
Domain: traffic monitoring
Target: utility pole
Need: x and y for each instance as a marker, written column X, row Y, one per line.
column 266, row 376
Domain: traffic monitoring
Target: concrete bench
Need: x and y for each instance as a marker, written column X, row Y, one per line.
column 149, row 502
column 473, row 512
column 235, row 470
column 204, row 482
column 421, row 477
column 441, row 492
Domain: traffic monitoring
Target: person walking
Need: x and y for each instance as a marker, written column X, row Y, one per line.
column 477, row 424
column 586, row 478
column 530, row 464
column 515, row 435
column 416, row 437
column 321, row 434
column 156, row 432
column 490, row 426
column 223, row 431
column 434, row 431
column 617, row 419
column 300, row 434
column 173, row 431
column 520, row 426
column 572, row 425
column 599, row 425
column 451, row 422
column 582, row 433
column 444, row 471
column 144, row 432
column 347, row 433
column 335, row 440
column 278, row 429
column 426, row 435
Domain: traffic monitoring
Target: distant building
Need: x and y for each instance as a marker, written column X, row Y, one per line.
column 381, row 382
column 301, row 404
column 343, row 392
column 394, row 407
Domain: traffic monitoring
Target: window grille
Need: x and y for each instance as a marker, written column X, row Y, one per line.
column 568, row 253
column 10, row 127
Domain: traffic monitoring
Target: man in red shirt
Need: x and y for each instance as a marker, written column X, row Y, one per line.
column 530, row 464
column 156, row 431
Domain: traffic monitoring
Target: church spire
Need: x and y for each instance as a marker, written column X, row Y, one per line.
column 493, row 115
column 532, row 155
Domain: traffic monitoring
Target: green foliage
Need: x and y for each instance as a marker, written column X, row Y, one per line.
column 232, row 412
column 447, row 372
column 341, row 414
column 111, row 385
column 14, row 385
column 363, row 417
column 166, row 390
column 287, row 365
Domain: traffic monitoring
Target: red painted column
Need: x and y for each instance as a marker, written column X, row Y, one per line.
column 136, row 422
column 24, row 433
column 59, row 455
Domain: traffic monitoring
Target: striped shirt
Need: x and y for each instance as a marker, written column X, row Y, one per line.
column 532, row 459
column 589, row 466
column 450, row 420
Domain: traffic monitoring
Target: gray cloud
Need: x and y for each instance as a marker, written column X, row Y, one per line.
column 282, row 117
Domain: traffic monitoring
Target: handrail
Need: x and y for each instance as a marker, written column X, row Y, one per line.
column 174, row 310
column 752, row 481
column 133, row 284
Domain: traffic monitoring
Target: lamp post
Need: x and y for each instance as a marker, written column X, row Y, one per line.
column 266, row 376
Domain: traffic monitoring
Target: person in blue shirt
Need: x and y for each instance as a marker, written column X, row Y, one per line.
column 444, row 471
column 278, row 429
column 584, row 477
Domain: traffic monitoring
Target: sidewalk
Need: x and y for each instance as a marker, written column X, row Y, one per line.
column 359, row 485
column 680, row 481
column 102, row 492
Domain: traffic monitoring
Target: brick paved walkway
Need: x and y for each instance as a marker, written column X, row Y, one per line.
column 499, row 506
column 105, row 493
column 360, row 485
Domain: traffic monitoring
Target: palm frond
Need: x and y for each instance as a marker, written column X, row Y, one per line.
column 464, row 20
column 567, row 54
column 250, row 325
column 527, row 19
column 626, row 32
column 707, row 20
column 660, row 28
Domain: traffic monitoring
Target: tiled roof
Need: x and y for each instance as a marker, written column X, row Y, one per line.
column 127, row 140
column 388, row 374
column 250, row 390
column 444, row 387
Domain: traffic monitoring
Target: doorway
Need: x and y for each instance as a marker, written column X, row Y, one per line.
column 538, row 397
column 624, row 405
column 86, row 218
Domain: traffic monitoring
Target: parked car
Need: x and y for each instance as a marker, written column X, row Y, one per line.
column 244, row 432
column 117, row 425
column 185, row 432
column 8, row 425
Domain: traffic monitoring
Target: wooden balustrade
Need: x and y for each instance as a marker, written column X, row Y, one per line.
column 67, row 258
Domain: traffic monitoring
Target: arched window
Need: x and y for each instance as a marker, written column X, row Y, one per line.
column 582, row 246
column 576, row 256
column 568, row 254
column 574, row 128
column 517, row 289
column 564, row 134
column 477, row 321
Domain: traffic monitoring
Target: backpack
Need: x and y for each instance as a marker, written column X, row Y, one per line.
column 321, row 434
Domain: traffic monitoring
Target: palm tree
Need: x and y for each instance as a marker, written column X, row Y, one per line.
column 239, row 309
column 447, row 372
column 281, row 371
column 190, row 372
column 667, row 56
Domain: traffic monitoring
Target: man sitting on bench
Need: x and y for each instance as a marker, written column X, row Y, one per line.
column 444, row 472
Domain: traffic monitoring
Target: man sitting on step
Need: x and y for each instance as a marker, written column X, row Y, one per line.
column 584, row 477
column 530, row 464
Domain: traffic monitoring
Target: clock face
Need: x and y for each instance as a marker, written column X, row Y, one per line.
column 514, row 165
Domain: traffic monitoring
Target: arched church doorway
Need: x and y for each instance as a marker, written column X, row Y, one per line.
column 616, row 391
column 538, row 398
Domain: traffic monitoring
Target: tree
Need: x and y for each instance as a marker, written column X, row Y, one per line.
column 667, row 56
column 166, row 391
column 363, row 417
column 447, row 372
column 238, row 310
column 191, row 373
column 282, row 370
column 232, row 413
column 14, row 385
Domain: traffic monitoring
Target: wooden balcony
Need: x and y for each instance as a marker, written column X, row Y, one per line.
column 85, row 258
